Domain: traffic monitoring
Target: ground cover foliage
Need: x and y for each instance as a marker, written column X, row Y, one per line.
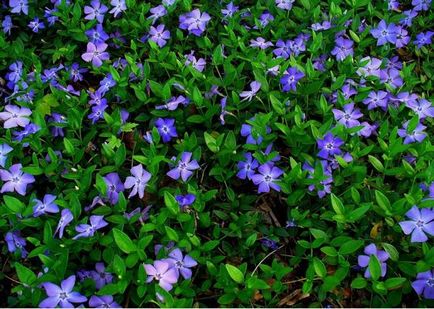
column 267, row 153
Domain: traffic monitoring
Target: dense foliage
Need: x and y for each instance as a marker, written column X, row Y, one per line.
column 182, row 153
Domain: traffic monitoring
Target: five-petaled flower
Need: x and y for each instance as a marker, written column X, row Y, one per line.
column 421, row 223
column 62, row 295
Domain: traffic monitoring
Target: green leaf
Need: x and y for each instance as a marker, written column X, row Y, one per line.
column 337, row 205
column 383, row 202
column 14, row 204
column 251, row 240
column 376, row 163
column 256, row 284
column 171, row 203
column 393, row 253
column 374, row 267
column 393, row 283
column 350, row 247
column 25, row 275
column 359, row 283
column 319, row 267
column 123, row 241
column 171, row 233
column 69, row 147
column 235, row 273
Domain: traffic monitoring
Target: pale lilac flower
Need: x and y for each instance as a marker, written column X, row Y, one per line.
column 185, row 200
column 137, row 181
column 408, row 19
column 195, row 22
column 62, row 295
column 181, row 263
column 105, row 301
column 198, row 64
column 35, row 25
column 290, row 79
column 15, row 242
column 230, row 10
column 422, row 107
column 266, row 178
column 384, row 33
column 423, row 38
column 391, row 77
column 114, row 187
column 88, row 230
column 248, row 95
column 284, row 4
column 100, row 276
column 18, row 6
column 48, row 205
column 15, row 116
column 377, row 99
column 343, row 48
column 66, row 217
column 363, row 260
column 96, row 53
column 173, row 103
column 159, row 35
column 15, row 180
column 424, row 284
column 162, row 272
column 95, row 11
column 367, row 129
column 157, row 12
column 402, row 37
column 348, row 117
column 421, row 223
column 246, row 169
column 7, row 24
column 118, row 7
column 4, row 150
column 260, row 43
column 421, row 5
column 417, row 135
column 283, row 49
column 184, row 168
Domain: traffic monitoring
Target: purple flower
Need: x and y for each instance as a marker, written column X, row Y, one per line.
column 424, row 284
column 367, row 129
column 348, row 117
column 166, row 128
column 184, row 168
column 329, row 146
column 57, row 119
column 15, row 116
column 65, row 218
column 284, row 4
column 363, row 260
column 283, row 49
column 18, row 6
column 185, row 200
column 4, row 150
column 61, row 295
column 260, row 43
column 422, row 107
column 248, row 95
column 377, row 99
column 97, row 112
column 114, row 186
column 137, row 181
column 417, row 135
column 46, row 206
column 266, row 178
column 423, row 39
column 384, row 33
column 35, row 25
column 246, row 169
column 96, row 53
column 393, row 5
column 290, row 79
column 16, row 242
column 105, row 301
column 100, row 276
column 173, row 103
column 230, row 10
column 408, row 19
column 95, row 11
column 343, row 48
column 421, row 5
column 159, row 35
column 198, row 64
column 15, row 180
column 76, row 72
column 269, row 243
column 162, row 272
column 265, row 18
column 195, row 22
column 16, row 70
column 118, row 7
column 7, row 25
column 97, row 35
column 421, row 223
column 402, row 37
column 88, row 230
column 49, row 15
column 157, row 12
column 181, row 263
column 391, row 77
